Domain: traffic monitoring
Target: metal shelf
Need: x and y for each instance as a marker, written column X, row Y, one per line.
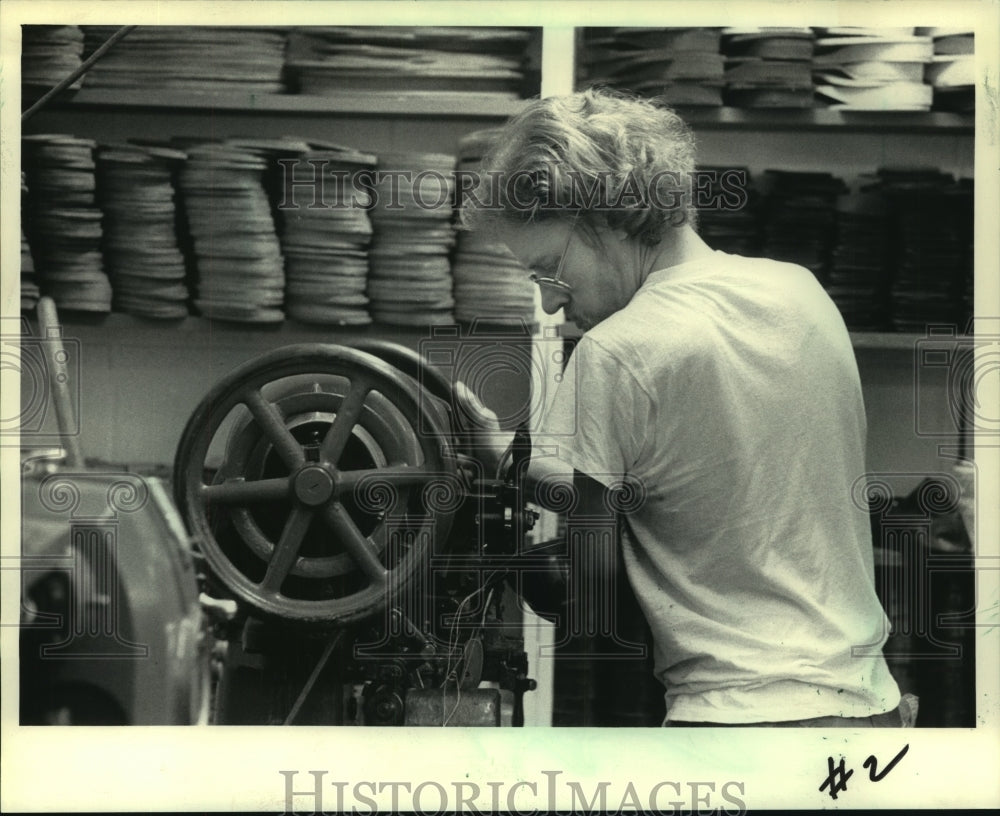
column 473, row 105
column 860, row 340
column 125, row 328
column 448, row 105
column 825, row 119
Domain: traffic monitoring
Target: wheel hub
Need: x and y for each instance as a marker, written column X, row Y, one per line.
column 313, row 485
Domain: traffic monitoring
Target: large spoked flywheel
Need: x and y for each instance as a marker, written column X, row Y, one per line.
column 316, row 479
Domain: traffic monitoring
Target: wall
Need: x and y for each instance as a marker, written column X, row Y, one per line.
column 140, row 380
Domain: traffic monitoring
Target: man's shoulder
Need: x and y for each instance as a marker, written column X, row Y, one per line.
column 625, row 333
column 630, row 343
column 679, row 321
column 649, row 327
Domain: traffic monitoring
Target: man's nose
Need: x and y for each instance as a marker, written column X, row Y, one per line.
column 553, row 300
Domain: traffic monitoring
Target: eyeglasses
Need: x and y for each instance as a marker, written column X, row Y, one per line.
column 554, row 281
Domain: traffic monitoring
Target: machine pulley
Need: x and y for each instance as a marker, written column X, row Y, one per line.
column 312, row 479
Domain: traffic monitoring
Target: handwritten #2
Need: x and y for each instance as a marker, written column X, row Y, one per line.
column 838, row 775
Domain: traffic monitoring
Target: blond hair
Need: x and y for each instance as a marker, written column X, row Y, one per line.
column 598, row 157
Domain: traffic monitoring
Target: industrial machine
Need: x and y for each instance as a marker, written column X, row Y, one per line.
column 335, row 554
column 357, row 561
column 111, row 627
column 354, row 562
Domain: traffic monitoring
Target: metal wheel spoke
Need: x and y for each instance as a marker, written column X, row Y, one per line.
column 273, row 424
column 396, row 475
column 242, row 493
column 287, row 550
column 324, row 437
column 360, row 547
column 347, row 417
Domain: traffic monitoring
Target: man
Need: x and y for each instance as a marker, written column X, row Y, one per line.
column 726, row 389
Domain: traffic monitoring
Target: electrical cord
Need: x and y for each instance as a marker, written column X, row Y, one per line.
column 452, row 673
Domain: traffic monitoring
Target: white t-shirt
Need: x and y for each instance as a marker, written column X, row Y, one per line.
column 728, row 388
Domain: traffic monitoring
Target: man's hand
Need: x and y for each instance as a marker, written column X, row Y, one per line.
column 490, row 442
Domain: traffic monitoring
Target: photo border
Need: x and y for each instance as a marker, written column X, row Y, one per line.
column 227, row 768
